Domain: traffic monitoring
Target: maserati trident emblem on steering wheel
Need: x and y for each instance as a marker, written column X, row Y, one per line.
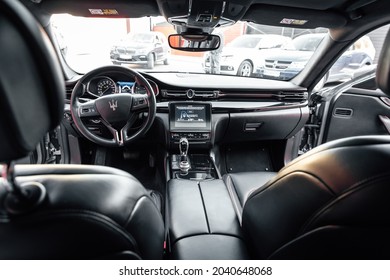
column 113, row 104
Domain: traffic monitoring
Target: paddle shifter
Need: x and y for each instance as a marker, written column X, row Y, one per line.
column 184, row 164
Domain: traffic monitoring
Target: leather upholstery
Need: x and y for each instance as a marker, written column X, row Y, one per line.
column 210, row 247
column 32, row 89
column 240, row 185
column 90, row 212
column 340, row 188
column 383, row 69
column 87, row 212
column 202, row 221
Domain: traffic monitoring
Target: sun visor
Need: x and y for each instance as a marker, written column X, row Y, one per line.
column 294, row 17
column 99, row 8
column 32, row 89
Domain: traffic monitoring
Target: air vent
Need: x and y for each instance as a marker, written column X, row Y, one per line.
column 206, row 93
column 173, row 93
column 343, row 112
column 190, row 93
column 68, row 92
column 292, row 96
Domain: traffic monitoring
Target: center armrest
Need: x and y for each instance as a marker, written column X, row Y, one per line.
column 202, row 214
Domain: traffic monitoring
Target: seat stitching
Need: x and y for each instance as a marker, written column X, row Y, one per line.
column 271, row 183
column 349, row 191
column 91, row 215
column 208, row 234
column 204, row 208
column 233, row 197
column 135, row 206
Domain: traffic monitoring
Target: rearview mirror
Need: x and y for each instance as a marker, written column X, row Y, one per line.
column 194, row 43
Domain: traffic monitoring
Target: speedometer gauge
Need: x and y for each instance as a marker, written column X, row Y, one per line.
column 106, row 86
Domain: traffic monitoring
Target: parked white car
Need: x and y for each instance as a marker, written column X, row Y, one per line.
column 241, row 56
column 291, row 59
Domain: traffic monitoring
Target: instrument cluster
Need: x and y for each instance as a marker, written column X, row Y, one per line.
column 104, row 85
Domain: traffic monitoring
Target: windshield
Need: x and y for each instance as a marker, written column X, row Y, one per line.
column 141, row 43
column 306, row 42
column 245, row 42
column 140, row 38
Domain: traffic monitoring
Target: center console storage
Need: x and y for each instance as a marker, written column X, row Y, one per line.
column 202, row 221
column 201, row 167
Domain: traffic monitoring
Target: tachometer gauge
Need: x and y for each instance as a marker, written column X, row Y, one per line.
column 137, row 88
column 106, row 86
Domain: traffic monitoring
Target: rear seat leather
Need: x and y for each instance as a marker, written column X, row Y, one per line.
column 240, row 185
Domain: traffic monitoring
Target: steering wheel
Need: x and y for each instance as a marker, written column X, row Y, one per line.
column 118, row 111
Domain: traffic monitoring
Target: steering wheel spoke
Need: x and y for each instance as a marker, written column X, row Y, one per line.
column 119, row 136
column 140, row 102
column 88, row 109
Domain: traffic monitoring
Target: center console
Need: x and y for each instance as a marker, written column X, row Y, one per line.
column 201, row 216
column 201, row 167
column 190, row 126
column 190, row 120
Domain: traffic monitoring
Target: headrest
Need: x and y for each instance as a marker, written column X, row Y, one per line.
column 32, row 87
column 383, row 67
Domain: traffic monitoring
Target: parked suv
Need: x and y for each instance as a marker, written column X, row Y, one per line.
column 288, row 62
column 141, row 48
column 241, row 56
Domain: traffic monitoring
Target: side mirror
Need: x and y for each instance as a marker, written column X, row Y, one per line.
column 194, row 42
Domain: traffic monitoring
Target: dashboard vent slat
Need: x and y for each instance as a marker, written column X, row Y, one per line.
column 292, row 96
column 173, row 93
column 189, row 94
column 343, row 112
column 68, row 92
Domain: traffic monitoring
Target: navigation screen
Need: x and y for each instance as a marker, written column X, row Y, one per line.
column 190, row 116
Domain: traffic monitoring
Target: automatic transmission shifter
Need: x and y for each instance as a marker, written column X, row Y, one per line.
column 184, row 164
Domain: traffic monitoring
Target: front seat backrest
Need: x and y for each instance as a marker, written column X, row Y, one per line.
column 79, row 211
column 330, row 203
column 32, row 89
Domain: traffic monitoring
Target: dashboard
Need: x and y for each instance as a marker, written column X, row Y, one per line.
column 209, row 109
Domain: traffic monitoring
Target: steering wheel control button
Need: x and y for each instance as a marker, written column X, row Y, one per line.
column 114, row 108
column 139, row 102
column 87, row 111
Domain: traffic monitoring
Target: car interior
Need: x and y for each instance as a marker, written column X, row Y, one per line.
column 192, row 165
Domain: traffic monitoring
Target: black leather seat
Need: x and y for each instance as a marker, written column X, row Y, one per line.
column 240, row 185
column 331, row 203
column 59, row 211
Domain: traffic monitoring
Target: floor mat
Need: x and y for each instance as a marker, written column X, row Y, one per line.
column 139, row 166
column 249, row 158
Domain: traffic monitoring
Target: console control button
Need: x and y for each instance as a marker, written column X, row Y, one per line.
column 190, row 135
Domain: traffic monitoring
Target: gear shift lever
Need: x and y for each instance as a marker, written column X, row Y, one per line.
column 184, row 164
column 183, row 146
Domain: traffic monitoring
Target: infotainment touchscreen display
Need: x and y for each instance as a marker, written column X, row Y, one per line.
column 190, row 116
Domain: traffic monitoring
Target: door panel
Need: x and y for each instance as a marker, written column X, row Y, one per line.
column 356, row 112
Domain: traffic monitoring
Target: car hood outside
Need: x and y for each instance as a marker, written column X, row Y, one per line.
column 288, row 55
column 132, row 45
column 244, row 53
